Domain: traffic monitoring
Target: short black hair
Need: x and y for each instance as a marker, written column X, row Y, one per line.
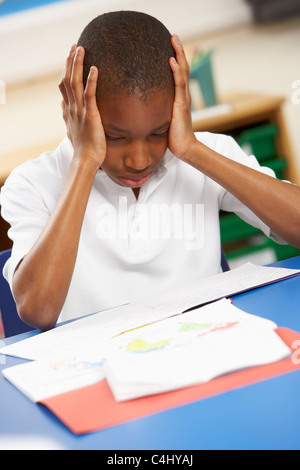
column 131, row 51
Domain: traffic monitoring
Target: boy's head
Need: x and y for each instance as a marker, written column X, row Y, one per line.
column 131, row 51
column 135, row 91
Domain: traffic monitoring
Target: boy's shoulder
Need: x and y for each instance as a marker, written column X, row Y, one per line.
column 55, row 162
column 217, row 142
column 222, row 144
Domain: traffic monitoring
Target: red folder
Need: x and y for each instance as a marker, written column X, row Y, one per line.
column 93, row 408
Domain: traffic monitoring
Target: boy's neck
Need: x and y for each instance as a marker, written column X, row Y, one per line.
column 136, row 192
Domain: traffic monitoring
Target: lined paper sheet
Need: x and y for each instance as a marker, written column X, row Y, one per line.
column 212, row 288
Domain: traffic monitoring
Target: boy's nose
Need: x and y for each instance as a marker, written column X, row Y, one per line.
column 138, row 159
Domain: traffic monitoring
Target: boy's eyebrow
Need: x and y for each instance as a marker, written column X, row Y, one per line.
column 117, row 129
column 114, row 128
column 164, row 125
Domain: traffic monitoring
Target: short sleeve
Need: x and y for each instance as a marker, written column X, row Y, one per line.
column 26, row 205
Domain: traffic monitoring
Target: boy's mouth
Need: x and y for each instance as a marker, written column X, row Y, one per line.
column 136, row 182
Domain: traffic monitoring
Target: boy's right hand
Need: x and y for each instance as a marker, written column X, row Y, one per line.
column 80, row 110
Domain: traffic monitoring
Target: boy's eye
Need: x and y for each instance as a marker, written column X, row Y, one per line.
column 113, row 139
column 162, row 134
column 117, row 139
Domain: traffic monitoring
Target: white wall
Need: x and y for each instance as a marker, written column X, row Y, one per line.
column 34, row 43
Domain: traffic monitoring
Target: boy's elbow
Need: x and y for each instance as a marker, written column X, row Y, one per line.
column 295, row 242
column 42, row 318
column 35, row 307
column 293, row 236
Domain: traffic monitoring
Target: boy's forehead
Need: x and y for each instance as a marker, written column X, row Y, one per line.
column 148, row 97
column 122, row 109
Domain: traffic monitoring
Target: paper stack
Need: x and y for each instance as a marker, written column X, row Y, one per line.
column 186, row 350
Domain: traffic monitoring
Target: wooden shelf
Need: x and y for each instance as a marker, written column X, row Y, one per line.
column 247, row 110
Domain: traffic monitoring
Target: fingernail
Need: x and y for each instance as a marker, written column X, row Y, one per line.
column 177, row 40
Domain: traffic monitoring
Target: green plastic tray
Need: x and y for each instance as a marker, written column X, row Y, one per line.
column 260, row 141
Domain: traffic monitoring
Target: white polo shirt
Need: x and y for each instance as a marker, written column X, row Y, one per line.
column 128, row 248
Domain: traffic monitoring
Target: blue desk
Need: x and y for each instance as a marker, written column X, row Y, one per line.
column 260, row 416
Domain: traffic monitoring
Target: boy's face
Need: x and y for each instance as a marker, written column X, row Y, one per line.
column 136, row 135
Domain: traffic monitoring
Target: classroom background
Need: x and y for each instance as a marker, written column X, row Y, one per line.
column 254, row 59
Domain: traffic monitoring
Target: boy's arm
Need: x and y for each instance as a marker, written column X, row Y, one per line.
column 275, row 202
column 42, row 279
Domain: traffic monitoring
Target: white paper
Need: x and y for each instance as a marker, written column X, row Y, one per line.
column 62, row 373
column 189, row 349
column 99, row 328
column 216, row 287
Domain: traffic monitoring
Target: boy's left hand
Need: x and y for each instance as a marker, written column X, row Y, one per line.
column 181, row 134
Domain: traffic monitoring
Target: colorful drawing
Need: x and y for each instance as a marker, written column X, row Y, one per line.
column 187, row 327
column 221, row 327
column 75, row 364
column 80, row 366
column 141, row 346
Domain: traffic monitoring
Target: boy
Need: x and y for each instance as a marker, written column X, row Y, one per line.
column 77, row 214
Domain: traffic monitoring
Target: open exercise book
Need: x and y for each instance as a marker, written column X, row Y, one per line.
column 151, row 346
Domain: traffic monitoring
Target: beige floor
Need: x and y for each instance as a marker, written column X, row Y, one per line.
column 252, row 58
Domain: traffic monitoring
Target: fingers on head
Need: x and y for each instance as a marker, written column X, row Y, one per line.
column 65, row 83
column 180, row 54
column 90, row 90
